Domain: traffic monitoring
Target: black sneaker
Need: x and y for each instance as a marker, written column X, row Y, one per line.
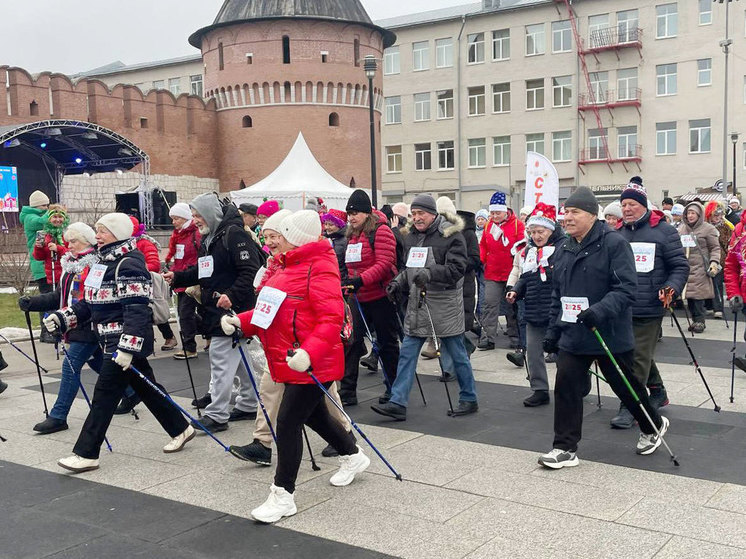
column 740, row 363
column 538, row 398
column 240, row 415
column 255, row 452
column 50, row 425
column 517, row 358
column 370, row 362
column 202, row 403
column 390, row 409
column 558, row 458
column 3, row 386
column 384, row 398
column 211, row 425
column 3, row 363
column 698, row 327
column 127, row 404
column 658, row 396
column 348, row 401
column 464, row 408
column 624, row 419
column 485, row 346
column 447, row 377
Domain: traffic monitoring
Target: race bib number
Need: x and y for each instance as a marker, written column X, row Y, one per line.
column 95, row 276
column 644, row 257
column 206, row 266
column 179, row 252
column 354, row 253
column 687, row 241
column 572, row 307
column 417, row 257
column 267, row 305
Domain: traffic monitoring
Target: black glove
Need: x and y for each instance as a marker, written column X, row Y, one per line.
column 422, row 278
column 588, row 318
column 24, row 303
column 355, row 283
column 549, row 345
column 393, row 292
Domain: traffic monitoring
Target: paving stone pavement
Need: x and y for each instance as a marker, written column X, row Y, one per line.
column 472, row 486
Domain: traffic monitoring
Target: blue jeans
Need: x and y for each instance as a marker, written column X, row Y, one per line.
column 410, row 352
column 79, row 353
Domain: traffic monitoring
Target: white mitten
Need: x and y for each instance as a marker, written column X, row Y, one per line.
column 229, row 324
column 123, row 359
column 53, row 323
column 300, row 362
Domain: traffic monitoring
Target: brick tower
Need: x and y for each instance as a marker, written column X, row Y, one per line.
column 279, row 67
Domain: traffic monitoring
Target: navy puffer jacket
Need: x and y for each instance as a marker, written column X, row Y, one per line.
column 670, row 265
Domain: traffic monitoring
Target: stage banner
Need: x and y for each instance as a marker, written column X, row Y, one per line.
column 542, row 181
column 8, row 189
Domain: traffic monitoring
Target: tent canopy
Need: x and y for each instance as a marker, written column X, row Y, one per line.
column 298, row 177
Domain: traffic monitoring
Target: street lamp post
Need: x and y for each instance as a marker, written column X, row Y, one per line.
column 734, row 139
column 725, row 45
column 370, row 68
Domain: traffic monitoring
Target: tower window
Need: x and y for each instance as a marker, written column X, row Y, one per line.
column 285, row 49
column 333, row 119
column 143, row 122
column 324, row 56
column 356, row 51
column 247, row 122
column 249, row 58
column 33, row 108
column 221, row 62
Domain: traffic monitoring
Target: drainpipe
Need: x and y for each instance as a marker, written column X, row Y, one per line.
column 458, row 110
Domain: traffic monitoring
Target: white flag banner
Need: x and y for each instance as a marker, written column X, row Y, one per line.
column 542, row 181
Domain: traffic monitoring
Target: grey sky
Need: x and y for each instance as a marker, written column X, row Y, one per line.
column 75, row 35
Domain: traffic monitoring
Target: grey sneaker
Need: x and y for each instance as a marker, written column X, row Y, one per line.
column 647, row 444
column 624, row 419
column 558, row 458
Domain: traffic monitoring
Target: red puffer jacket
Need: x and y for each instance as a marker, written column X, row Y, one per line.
column 495, row 253
column 183, row 247
column 735, row 261
column 377, row 266
column 309, row 318
column 43, row 254
column 150, row 252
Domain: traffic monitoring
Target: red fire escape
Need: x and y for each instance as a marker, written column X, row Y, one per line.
column 602, row 40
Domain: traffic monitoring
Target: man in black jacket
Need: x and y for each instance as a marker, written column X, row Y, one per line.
column 228, row 262
column 594, row 284
column 662, row 271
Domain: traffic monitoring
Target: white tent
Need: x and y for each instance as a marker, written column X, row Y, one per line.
column 298, row 177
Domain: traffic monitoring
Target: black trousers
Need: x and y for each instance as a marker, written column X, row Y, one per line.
column 381, row 318
column 571, row 384
column 187, row 308
column 303, row 404
column 110, row 385
column 166, row 331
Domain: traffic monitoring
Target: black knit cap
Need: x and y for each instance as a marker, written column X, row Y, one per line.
column 387, row 211
column 248, row 208
column 359, row 202
column 583, row 199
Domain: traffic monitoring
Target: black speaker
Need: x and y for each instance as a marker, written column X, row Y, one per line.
column 129, row 204
column 161, row 219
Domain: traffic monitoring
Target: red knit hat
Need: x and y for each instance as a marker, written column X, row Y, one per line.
column 337, row 217
column 543, row 216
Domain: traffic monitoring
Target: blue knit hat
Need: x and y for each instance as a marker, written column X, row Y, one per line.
column 483, row 214
column 498, row 202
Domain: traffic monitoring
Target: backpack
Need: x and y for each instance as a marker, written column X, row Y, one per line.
column 160, row 302
column 400, row 259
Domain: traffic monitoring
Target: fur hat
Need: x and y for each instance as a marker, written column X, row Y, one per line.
column 268, row 208
column 336, row 217
column 38, row 198
column 301, row 228
column 359, row 202
column 118, row 224
column 615, row 209
column 498, row 202
column 543, row 216
column 180, row 209
column 445, row 205
column 273, row 222
column 81, row 232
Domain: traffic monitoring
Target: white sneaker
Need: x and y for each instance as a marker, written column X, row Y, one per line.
column 178, row 442
column 648, row 444
column 558, row 458
column 280, row 503
column 78, row 464
column 348, row 467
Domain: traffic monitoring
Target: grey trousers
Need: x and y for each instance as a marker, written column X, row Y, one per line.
column 537, row 368
column 225, row 363
column 494, row 294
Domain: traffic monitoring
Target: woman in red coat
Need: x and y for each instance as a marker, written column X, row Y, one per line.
column 298, row 317
column 735, row 274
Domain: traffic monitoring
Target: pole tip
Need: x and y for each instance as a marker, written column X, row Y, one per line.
column 717, row 409
column 398, row 477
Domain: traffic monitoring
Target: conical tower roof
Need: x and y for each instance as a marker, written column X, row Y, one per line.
column 242, row 11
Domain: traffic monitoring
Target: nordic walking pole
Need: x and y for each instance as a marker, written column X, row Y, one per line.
column 19, row 350
column 397, row 475
column 416, row 376
column 314, row 465
column 237, row 341
column 722, row 302
column 152, row 385
column 54, row 286
column 36, row 360
column 437, row 349
column 634, row 394
column 189, row 370
column 598, row 384
column 733, row 357
column 694, row 360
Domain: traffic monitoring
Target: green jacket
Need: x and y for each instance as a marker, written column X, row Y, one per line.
column 33, row 220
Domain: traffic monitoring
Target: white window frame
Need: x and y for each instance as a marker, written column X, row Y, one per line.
column 665, row 134
column 628, row 27
column 393, row 159
column 599, row 87
column 703, row 132
column 626, row 142
column 476, row 101
column 563, row 31
column 423, row 158
column 477, row 153
column 534, row 95
column 705, row 16
column 704, row 72
column 564, row 90
column 391, row 61
column 444, row 103
column 500, row 98
column 196, row 85
column 596, row 144
column 475, row 48
column 444, row 52
column 501, row 147
column 159, row 84
column 535, row 142
column 420, row 56
column 596, row 23
column 562, row 144
column 666, row 83
column 501, row 44
column 536, row 39
column 174, row 86
column 393, row 109
column 443, row 150
column 626, row 86
column 666, row 20
column 422, row 107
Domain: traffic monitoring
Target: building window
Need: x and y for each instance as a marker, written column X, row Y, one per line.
column 666, row 21
column 627, row 141
column 477, row 153
column 393, row 110
column 423, row 157
column 501, row 151
column 355, row 52
column 143, row 122
column 159, row 84
column 599, row 86
column 699, row 136
column 249, row 58
column 501, row 97
column 421, row 106
column 324, row 56
column 476, row 100
column 421, row 56
column 596, row 148
column 393, row 159
column 445, row 103
column 665, row 138
column 246, row 122
column 626, row 84
column 174, row 85
column 535, row 40
column 333, row 119
column 444, row 53
column 562, row 91
column 704, row 71
column 445, row 155
column 598, row 30
column 666, row 79
column 221, row 60
column 285, row 49
column 33, row 108
column 561, row 146
column 475, row 43
column 534, row 94
column 561, row 36
column 195, row 85
column 628, row 23
column 501, row 44
column 535, row 142
column 705, row 12
column 391, row 61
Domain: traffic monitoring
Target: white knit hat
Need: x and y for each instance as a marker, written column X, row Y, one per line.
column 81, row 232
column 119, row 224
column 615, row 209
column 273, row 222
column 445, row 205
column 301, row 228
column 38, row 198
column 180, row 209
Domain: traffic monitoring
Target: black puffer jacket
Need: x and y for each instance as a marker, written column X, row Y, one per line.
column 602, row 269
column 119, row 309
column 236, row 260
column 531, row 288
column 670, row 267
column 339, row 244
column 474, row 264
